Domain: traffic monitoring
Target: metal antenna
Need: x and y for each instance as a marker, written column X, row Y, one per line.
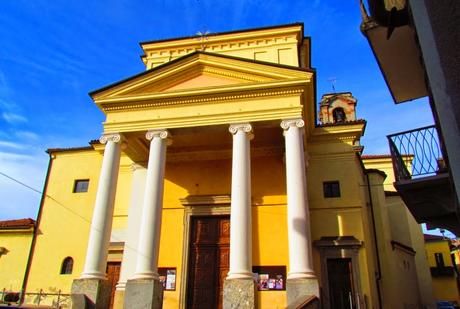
column 333, row 80
column 203, row 37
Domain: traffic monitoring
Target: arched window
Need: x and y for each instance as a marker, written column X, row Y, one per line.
column 67, row 266
column 339, row 115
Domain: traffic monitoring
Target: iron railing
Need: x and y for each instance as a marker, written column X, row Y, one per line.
column 416, row 153
column 54, row 300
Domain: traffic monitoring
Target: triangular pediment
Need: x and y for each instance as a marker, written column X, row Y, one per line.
column 198, row 71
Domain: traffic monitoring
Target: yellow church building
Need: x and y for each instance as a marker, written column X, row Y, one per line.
column 217, row 183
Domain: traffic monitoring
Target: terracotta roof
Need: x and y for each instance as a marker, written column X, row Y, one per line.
column 17, row 224
column 376, row 156
column 51, row 150
column 429, row 237
column 343, row 123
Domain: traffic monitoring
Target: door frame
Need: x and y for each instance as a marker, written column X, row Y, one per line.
column 197, row 206
column 337, row 247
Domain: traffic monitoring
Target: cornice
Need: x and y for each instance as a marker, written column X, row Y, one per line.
column 294, row 111
column 336, row 156
column 17, row 230
column 203, row 200
column 345, row 133
column 198, row 97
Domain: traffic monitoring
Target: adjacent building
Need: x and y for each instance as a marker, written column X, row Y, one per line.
column 443, row 260
column 15, row 244
column 414, row 43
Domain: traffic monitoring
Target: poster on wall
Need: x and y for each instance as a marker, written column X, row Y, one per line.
column 170, row 279
column 263, row 282
column 269, row 278
column 167, row 278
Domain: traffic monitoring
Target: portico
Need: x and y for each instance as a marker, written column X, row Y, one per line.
column 222, row 108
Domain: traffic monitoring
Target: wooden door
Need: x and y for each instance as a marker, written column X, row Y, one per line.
column 340, row 278
column 113, row 275
column 208, row 262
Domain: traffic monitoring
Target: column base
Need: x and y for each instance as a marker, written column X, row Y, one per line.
column 90, row 293
column 143, row 293
column 240, row 293
column 299, row 290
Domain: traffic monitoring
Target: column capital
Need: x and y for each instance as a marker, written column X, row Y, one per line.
column 112, row 137
column 235, row 127
column 286, row 124
column 161, row 133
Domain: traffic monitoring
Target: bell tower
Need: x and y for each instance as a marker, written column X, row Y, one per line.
column 337, row 108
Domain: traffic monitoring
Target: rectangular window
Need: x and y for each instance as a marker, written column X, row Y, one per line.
column 81, row 185
column 439, row 259
column 331, row 189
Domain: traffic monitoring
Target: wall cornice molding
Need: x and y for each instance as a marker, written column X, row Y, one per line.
column 186, row 98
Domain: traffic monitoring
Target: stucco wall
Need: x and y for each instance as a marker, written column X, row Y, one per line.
column 13, row 263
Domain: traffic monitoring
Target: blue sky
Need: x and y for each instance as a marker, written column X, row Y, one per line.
column 52, row 53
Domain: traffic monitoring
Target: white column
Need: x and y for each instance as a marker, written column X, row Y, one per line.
column 149, row 237
column 298, row 214
column 101, row 225
column 240, row 213
column 128, row 264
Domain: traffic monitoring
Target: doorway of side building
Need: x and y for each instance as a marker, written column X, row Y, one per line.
column 209, row 249
column 340, row 280
column 113, row 274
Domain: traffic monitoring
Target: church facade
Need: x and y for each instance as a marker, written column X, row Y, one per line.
column 214, row 185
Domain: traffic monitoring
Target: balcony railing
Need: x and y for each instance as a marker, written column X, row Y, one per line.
column 54, row 300
column 416, row 153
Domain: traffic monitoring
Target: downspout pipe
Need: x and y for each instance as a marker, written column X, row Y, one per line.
column 36, row 229
column 378, row 278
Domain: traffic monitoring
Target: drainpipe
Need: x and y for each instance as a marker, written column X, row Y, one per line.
column 34, row 238
column 378, row 278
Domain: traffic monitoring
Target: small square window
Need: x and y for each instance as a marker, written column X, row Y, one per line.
column 331, row 189
column 81, row 185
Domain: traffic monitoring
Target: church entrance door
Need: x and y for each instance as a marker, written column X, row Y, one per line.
column 113, row 274
column 208, row 261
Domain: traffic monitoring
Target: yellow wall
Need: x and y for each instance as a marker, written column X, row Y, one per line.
column 410, row 278
column 444, row 288
column 277, row 45
column 13, row 263
column 70, row 218
column 65, row 221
